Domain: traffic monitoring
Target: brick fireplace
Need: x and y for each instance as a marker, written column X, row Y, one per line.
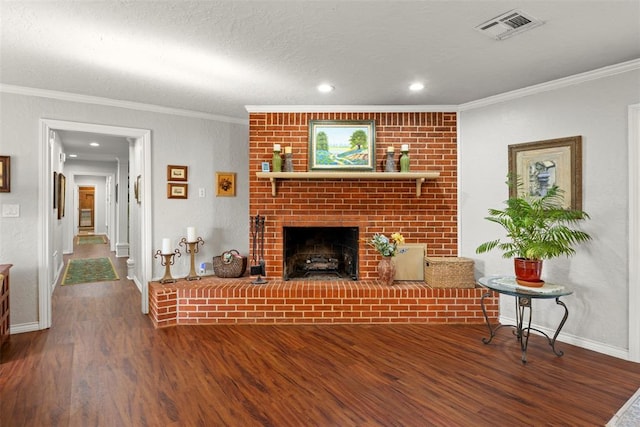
column 372, row 206
column 365, row 205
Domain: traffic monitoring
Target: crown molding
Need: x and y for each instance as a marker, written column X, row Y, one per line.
column 507, row 96
column 351, row 108
column 553, row 85
column 96, row 100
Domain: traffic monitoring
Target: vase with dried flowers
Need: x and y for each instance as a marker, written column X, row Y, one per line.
column 388, row 248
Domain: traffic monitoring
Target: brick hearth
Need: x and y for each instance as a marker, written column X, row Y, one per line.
column 214, row 300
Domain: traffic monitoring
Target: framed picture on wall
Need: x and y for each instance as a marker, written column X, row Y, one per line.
column 342, row 145
column 55, row 190
column 177, row 173
column 539, row 165
column 226, row 184
column 177, row 191
column 5, row 174
column 62, row 185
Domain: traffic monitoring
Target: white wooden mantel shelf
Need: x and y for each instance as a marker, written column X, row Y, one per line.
column 418, row 177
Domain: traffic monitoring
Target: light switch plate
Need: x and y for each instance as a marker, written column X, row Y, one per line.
column 10, row 211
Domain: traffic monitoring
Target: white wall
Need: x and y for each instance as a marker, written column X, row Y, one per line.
column 121, row 199
column 205, row 145
column 57, row 229
column 597, row 110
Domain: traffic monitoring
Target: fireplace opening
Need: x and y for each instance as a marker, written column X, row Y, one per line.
column 320, row 253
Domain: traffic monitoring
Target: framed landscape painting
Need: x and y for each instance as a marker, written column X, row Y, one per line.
column 342, row 145
column 540, row 165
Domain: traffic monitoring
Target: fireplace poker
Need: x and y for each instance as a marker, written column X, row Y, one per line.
column 257, row 233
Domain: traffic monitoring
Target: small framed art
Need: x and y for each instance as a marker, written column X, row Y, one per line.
column 177, row 173
column 62, row 186
column 55, row 190
column 226, row 184
column 177, row 191
column 5, row 174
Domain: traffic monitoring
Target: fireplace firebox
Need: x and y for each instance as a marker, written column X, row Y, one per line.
column 320, row 253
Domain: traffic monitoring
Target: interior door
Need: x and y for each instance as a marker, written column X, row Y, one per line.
column 86, row 206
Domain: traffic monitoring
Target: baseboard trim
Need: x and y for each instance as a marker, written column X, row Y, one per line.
column 138, row 284
column 24, row 327
column 620, row 353
column 122, row 250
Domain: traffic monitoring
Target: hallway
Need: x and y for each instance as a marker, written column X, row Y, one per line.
column 99, row 302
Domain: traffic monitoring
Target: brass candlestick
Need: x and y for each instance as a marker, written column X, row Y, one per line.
column 192, row 249
column 167, row 261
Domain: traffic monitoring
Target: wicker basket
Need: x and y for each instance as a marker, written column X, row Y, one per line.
column 449, row 272
column 229, row 264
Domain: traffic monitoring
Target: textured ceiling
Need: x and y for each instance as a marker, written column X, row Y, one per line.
column 217, row 57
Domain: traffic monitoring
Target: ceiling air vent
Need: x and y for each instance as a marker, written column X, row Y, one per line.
column 508, row 24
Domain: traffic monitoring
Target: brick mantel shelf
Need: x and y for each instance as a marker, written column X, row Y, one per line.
column 419, row 177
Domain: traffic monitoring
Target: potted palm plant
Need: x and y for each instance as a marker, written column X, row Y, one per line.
column 537, row 228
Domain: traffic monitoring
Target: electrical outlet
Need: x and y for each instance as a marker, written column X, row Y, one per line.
column 201, row 192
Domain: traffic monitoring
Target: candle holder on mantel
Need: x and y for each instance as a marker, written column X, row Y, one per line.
column 192, row 249
column 167, row 261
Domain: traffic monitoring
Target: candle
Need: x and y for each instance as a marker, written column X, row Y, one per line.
column 166, row 246
column 191, row 234
column 287, row 150
column 389, row 149
column 276, row 147
column 405, row 147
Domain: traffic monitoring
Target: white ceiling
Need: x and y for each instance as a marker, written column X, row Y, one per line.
column 110, row 148
column 217, row 57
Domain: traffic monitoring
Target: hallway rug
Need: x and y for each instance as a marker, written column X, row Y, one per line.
column 629, row 414
column 92, row 240
column 89, row 270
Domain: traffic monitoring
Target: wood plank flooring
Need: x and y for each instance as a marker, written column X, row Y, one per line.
column 103, row 364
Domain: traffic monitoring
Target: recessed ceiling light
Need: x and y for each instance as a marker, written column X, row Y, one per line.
column 73, row 155
column 94, row 144
column 325, row 88
column 416, row 86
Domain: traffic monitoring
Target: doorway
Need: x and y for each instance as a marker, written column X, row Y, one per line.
column 138, row 265
column 86, row 209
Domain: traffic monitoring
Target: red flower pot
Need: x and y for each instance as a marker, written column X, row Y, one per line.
column 528, row 271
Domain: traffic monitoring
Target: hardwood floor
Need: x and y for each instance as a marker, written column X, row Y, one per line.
column 103, row 364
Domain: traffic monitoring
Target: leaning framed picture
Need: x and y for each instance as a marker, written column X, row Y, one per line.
column 539, row 165
column 342, row 145
column 177, row 191
column 177, row 173
column 226, row 184
column 5, row 174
